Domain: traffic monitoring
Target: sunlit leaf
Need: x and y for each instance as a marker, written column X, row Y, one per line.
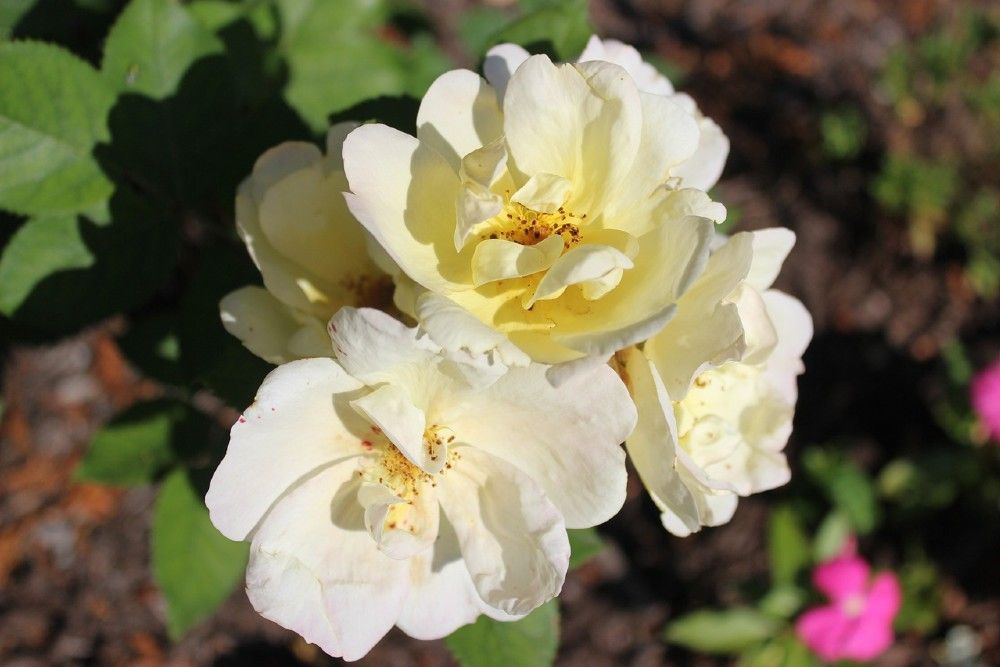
column 721, row 632
column 529, row 642
column 53, row 111
column 194, row 565
column 152, row 45
column 143, row 442
column 788, row 545
column 584, row 544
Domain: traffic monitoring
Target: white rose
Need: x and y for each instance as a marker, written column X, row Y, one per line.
column 716, row 388
column 382, row 488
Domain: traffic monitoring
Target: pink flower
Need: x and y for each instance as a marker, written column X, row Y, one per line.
column 857, row 624
column 985, row 390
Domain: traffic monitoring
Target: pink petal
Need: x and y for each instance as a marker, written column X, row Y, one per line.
column 866, row 639
column 985, row 395
column 884, row 598
column 824, row 630
column 841, row 577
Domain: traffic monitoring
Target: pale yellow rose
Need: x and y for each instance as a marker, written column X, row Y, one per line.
column 313, row 255
column 548, row 217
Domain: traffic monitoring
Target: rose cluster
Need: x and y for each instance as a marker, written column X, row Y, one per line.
column 549, row 233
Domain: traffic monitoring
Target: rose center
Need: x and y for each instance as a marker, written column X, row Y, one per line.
column 397, row 472
column 525, row 226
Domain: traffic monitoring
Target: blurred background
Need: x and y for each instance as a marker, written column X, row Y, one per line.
column 869, row 127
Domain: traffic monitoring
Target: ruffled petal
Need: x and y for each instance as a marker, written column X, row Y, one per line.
column 543, row 192
column 442, row 596
column 458, row 114
column 583, row 265
column 669, row 136
column 476, row 204
column 300, row 421
column 582, row 123
column 375, row 347
column 403, row 192
column 794, row 328
column 500, row 259
column 566, row 439
column 401, row 528
column 707, row 330
column 646, row 77
column 670, row 258
column 314, row 569
column 458, row 331
column 770, row 248
column 512, row 538
column 270, row 329
column 652, row 446
column 704, row 167
column 500, row 64
column 390, row 408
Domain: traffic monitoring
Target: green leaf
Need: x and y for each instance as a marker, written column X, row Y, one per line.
column 53, row 110
column 529, row 642
column 830, row 536
column 78, row 25
column 209, row 353
column 721, row 632
column 788, row 545
column 563, row 24
column 422, row 62
column 782, row 601
column 784, row 651
column 152, row 346
column 11, row 12
column 41, row 247
column 920, row 611
column 152, row 45
column 189, row 149
column 584, row 544
column 61, row 272
column 849, row 489
column 335, row 59
column 215, row 14
column 478, row 25
column 143, row 442
column 843, row 133
column 194, row 565
column 134, row 448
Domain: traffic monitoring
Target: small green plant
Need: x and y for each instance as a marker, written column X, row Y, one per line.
column 920, row 190
column 844, row 132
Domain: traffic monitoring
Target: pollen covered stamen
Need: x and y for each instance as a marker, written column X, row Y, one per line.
column 396, row 472
column 396, row 493
column 522, row 225
column 400, row 475
column 436, row 440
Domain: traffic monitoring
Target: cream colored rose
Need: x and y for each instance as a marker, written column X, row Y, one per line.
column 716, row 388
column 311, row 252
column 702, row 169
column 549, row 219
column 389, row 487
